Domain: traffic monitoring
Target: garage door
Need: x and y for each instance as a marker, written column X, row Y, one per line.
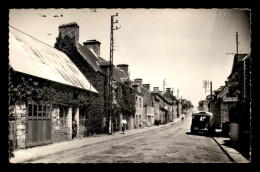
column 39, row 125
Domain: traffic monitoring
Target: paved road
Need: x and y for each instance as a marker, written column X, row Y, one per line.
column 169, row 144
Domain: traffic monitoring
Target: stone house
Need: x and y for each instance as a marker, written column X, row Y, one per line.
column 44, row 86
column 224, row 108
column 87, row 58
column 139, row 119
column 239, row 85
column 148, row 109
column 216, row 105
column 172, row 106
column 161, row 109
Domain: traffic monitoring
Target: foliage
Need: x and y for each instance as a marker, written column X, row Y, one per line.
column 186, row 104
column 126, row 100
column 24, row 88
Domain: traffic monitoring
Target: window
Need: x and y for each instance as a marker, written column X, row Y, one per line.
column 36, row 110
column 140, row 102
column 63, row 116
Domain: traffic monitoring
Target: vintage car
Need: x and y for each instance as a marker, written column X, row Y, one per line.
column 202, row 121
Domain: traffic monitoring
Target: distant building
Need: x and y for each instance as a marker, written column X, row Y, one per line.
column 161, row 105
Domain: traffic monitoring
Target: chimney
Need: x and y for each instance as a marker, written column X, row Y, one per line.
column 155, row 88
column 168, row 90
column 147, row 86
column 94, row 46
column 71, row 30
column 138, row 81
column 123, row 67
column 226, row 83
column 160, row 92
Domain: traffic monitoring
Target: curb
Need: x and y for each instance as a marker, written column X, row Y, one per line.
column 232, row 154
column 221, row 147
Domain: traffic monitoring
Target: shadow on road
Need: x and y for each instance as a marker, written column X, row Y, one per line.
column 237, row 147
column 199, row 134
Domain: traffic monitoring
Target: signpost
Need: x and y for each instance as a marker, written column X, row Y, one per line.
column 230, row 99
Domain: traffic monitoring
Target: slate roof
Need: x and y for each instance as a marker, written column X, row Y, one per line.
column 90, row 57
column 31, row 56
column 97, row 62
column 161, row 96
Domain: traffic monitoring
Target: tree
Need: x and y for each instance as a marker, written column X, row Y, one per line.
column 186, row 104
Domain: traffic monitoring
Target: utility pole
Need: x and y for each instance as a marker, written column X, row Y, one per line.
column 178, row 104
column 205, row 85
column 237, row 42
column 211, row 96
column 172, row 104
column 110, row 78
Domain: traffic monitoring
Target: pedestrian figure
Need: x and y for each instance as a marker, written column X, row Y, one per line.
column 124, row 125
column 74, row 128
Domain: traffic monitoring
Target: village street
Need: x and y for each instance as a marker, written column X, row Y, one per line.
column 167, row 144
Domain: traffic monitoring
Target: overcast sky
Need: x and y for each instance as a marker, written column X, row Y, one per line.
column 183, row 46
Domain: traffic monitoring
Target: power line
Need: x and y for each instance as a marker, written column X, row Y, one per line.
column 219, row 36
column 215, row 33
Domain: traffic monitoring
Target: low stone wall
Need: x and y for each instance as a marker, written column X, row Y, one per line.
column 60, row 135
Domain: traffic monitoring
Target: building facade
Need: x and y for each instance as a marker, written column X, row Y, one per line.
column 43, row 93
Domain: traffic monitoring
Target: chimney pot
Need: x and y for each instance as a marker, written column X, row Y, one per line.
column 138, row 81
column 155, row 88
column 93, row 45
column 123, row 67
column 147, row 86
column 168, row 90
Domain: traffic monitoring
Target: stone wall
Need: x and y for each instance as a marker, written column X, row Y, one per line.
column 59, row 134
column 174, row 112
column 139, row 111
column 224, row 113
column 130, row 122
column 20, row 111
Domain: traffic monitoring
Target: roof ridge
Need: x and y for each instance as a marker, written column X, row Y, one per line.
column 31, row 37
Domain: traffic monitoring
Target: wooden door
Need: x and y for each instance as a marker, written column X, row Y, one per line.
column 39, row 125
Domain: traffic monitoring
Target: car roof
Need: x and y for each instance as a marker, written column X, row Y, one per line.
column 202, row 112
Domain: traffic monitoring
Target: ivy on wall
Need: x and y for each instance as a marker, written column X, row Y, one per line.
column 23, row 88
column 127, row 100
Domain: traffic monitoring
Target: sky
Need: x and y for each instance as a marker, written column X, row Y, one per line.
column 183, row 46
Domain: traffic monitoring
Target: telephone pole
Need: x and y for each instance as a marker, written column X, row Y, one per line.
column 205, row 85
column 110, row 78
column 237, row 42
column 211, row 96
